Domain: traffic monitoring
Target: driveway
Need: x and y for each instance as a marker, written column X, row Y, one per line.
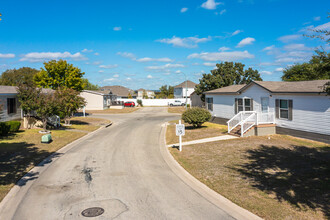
column 120, row 169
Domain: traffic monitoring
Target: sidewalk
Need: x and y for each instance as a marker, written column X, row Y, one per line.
column 205, row 140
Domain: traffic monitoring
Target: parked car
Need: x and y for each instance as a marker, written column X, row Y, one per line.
column 177, row 103
column 129, row 104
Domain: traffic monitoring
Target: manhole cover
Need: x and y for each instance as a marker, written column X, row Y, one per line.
column 92, row 212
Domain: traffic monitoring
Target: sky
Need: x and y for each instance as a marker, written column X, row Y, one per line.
column 148, row 43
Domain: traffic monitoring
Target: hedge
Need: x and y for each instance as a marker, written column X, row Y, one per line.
column 196, row 116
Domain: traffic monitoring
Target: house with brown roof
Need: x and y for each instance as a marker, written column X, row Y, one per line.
column 120, row 91
column 180, row 91
column 299, row 108
column 98, row 100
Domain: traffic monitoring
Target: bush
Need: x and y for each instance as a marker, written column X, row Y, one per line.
column 139, row 101
column 188, row 105
column 14, row 125
column 196, row 116
column 4, row 128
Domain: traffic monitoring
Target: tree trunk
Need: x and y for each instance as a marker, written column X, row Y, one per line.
column 44, row 124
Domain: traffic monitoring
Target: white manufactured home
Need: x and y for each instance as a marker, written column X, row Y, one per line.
column 97, row 100
column 9, row 103
column 297, row 108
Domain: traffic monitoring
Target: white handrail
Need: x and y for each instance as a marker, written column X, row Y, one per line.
column 237, row 119
column 246, row 120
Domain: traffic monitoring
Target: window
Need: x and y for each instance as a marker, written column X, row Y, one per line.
column 11, row 105
column 284, row 108
column 209, row 103
column 244, row 104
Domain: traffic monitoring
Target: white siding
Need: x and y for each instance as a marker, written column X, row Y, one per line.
column 94, row 101
column 155, row 102
column 181, row 92
column 4, row 115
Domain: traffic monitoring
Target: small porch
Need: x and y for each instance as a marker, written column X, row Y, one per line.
column 252, row 123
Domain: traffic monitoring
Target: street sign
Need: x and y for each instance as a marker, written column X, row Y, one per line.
column 180, row 129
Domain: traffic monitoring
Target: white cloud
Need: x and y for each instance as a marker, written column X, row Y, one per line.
column 108, row 66
column 188, row 42
column 116, row 76
column 325, row 27
column 223, row 48
column 289, row 60
column 117, row 28
column 178, row 71
column 7, row 55
column 101, row 71
column 246, row 41
column 266, row 72
column 42, row 56
column 127, row 55
column 221, row 12
column 298, row 47
column 183, row 10
column 149, row 77
column 148, row 59
column 128, row 78
column 288, row 38
column 111, row 79
column 280, row 69
column 96, row 54
column 86, row 51
column 236, row 32
column 209, row 64
column 211, row 4
column 222, row 56
column 96, row 62
column 269, row 48
column 164, row 67
column 317, row 18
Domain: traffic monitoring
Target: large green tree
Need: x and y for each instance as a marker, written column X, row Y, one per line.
column 14, row 77
column 317, row 68
column 89, row 86
column 56, row 74
column 47, row 106
column 166, row 92
column 226, row 74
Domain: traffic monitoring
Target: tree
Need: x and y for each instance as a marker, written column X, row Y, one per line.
column 89, row 86
column 69, row 102
column 47, row 105
column 226, row 74
column 166, row 91
column 28, row 98
column 145, row 96
column 323, row 35
column 129, row 96
column 14, row 77
column 58, row 74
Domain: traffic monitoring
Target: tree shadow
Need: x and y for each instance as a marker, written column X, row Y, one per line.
column 16, row 158
column 77, row 122
column 299, row 175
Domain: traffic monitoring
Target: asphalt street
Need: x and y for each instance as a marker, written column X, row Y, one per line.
column 119, row 169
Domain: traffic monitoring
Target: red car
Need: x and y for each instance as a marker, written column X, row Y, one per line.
column 129, row 104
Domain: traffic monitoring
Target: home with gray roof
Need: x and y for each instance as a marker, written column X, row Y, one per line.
column 300, row 108
column 120, row 91
column 180, row 91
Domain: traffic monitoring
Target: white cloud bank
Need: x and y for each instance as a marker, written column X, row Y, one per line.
column 6, row 55
column 148, row 59
column 42, row 56
column 187, row 42
column 222, row 56
column 108, row 66
column 288, row 38
column 164, row 67
column 183, row 10
column 246, row 41
column 117, row 28
column 211, row 4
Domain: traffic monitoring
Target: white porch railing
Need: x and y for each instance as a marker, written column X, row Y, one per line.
column 247, row 119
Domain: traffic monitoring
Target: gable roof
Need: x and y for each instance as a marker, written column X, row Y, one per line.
column 13, row 90
column 118, row 90
column 190, row 84
column 99, row 92
column 313, row 86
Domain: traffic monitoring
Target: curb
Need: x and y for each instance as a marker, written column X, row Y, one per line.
column 215, row 198
column 38, row 169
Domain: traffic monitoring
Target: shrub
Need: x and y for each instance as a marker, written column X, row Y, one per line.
column 139, row 101
column 196, row 116
column 14, row 125
column 188, row 105
column 4, row 128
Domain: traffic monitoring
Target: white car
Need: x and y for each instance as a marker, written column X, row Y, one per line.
column 177, row 103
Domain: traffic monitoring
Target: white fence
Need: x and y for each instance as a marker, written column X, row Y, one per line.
column 155, row 102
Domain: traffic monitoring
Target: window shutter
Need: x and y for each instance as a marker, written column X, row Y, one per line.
column 277, row 108
column 290, row 110
column 251, row 104
column 8, row 106
column 236, row 104
column 14, row 104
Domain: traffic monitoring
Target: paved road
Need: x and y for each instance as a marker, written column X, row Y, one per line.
column 120, row 169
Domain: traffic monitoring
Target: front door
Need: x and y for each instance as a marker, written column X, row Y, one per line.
column 264, row 104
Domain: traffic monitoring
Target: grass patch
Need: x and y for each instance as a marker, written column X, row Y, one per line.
column 21, row 151
column 176, row 109
column 207, row 130
column 278, row 178
column 113, row 111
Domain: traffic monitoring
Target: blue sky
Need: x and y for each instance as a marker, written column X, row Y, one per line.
column 151, row 43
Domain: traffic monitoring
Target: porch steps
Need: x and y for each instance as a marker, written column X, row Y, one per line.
column 237, row 131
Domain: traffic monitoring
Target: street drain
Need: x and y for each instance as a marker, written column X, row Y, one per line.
column 92, row 212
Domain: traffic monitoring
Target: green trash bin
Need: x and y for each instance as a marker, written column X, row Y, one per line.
column 47, row 138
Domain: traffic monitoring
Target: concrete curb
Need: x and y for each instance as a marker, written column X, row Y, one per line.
column 215, row 198
column 5, row 205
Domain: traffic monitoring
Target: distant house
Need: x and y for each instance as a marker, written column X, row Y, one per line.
column 295, row 108
column 180, row 90
column 120, row 91
column 97, row 100
column 149, row 93
column 10, row 106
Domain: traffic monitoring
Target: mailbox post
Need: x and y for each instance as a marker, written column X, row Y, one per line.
column 180, row 130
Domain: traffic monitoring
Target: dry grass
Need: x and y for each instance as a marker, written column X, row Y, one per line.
column 176, row 109
column 113, row 111
column 277, row 178
column 207, row 130
column 21, row 151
